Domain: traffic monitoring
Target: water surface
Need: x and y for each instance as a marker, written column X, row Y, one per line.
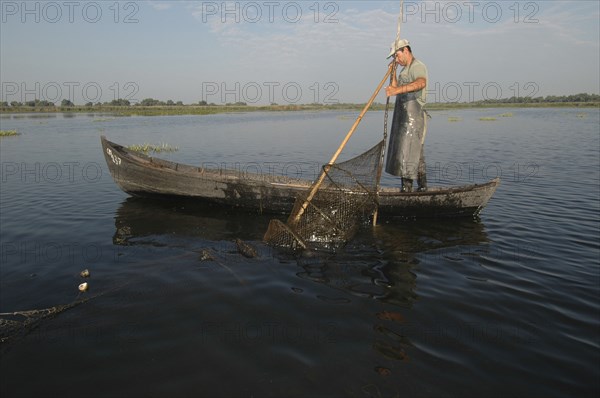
column 503, row 305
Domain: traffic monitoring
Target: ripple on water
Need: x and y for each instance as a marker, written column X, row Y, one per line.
column 414, row 308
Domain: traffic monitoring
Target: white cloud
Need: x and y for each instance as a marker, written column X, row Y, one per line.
column 161, row 6
column 498, row 44
column 290, row 44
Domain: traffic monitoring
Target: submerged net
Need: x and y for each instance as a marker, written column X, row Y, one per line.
column 329, row 217
column 13, row 324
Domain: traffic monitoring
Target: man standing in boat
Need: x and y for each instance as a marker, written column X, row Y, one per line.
column 409, row 125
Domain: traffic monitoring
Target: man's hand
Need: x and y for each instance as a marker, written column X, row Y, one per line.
column 391, row 90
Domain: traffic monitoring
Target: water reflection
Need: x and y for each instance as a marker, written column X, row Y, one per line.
column 142, row 217
column 381, row 265
column 30, row 116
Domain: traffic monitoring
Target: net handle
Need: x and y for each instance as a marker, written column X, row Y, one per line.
column 318, row 183
column 382, row 154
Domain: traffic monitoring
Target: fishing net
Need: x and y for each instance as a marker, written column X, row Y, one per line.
column 13, row 324
column 328, row 215
column 344, row 195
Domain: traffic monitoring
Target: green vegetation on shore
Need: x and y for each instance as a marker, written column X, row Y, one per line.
column 8, row 133
column 146, row 148
column 149, row 106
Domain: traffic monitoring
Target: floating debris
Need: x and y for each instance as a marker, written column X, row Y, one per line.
column 390, row 351
column 454, row 119
column 245, row 249
column 206, row 255
column 383, row 371
column 390, row 316
column 83, row 287
column 85, row 273
column 487, row 119
column 402, row 340
column 507, row 114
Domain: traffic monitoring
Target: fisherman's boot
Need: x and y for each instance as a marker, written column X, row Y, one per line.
column 422, row 173
column 422, row 181
column 407, row 185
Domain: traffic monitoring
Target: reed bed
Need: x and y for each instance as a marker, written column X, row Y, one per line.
column 147, row 148
column 8, row 133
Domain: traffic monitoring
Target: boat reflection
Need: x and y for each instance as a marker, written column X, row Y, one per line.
column 142, row 217
column 380, row 264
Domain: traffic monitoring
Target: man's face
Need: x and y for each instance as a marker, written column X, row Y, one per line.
column 401, row 56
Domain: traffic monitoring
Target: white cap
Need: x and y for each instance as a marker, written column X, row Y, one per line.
column 397, row 45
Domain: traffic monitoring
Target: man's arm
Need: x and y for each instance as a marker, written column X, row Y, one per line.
column 417, row 85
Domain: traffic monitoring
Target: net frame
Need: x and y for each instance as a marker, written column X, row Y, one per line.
column 345, row 200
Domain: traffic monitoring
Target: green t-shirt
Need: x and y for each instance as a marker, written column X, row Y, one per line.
column 412, row 72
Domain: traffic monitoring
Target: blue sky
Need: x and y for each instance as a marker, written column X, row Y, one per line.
column 292, row 51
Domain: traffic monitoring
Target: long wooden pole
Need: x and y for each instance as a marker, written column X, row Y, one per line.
column 399, row 20
column 326, row 168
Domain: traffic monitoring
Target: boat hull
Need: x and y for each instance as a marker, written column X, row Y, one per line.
column 142, row 175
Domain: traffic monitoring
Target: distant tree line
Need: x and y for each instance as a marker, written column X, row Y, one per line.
column 575, row 98
column 583, row 97
column 35, row 103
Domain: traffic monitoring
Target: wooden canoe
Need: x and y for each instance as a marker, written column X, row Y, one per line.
column 141, row 175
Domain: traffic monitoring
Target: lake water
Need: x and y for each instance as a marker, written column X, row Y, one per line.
column 505, row 305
